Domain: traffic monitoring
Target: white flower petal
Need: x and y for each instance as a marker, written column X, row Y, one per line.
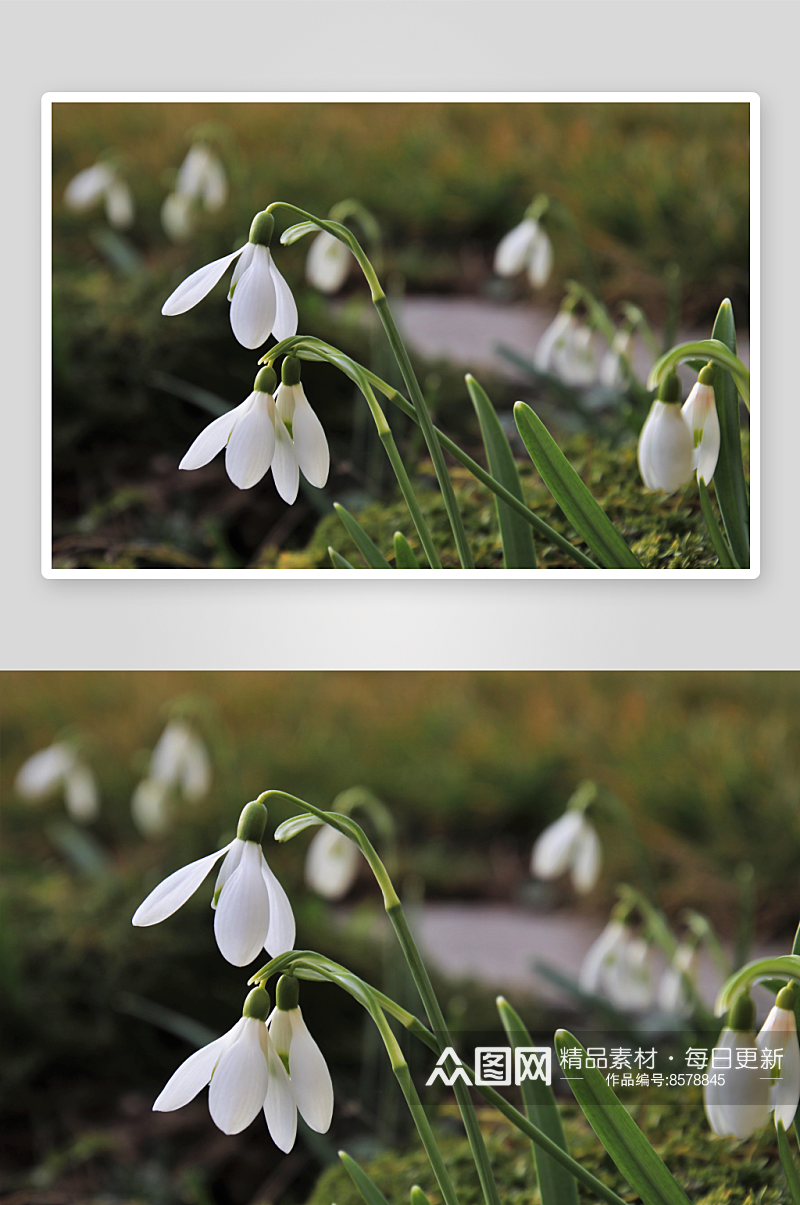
column 331, row 863
column 149, row 807
column 779, row 1033
column 699, row 412
column 195, row 1073
column 214, row 437
column 311, row 1080
column 240, row 1080
column 285, row 323
column 281, row 934
column 241, row 921
column 514, row 249
column 573, row 357
column 280, row 1110
column 119, row 205
column 215, row 185
column 553, row 851
column 88, row 186
column 328, row 263
column 243, row 264
column 587, row 859
column 280, row 1031
column 556, row 333
column 602, row 953
column 176, row 217
column 540, row 264
column 252, row 443
column 310, row 444
column 196, row 770
column 285, row 470
column 254, row 304
column 169, row 751
column 229, row 864
column 80, row 794
column 192, row 171
column 740, row 1106
column 175, row 890
column 666, row 455
column 196, row 286
column 41, row 774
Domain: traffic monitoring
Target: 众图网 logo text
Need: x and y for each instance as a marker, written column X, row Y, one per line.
column 494, row 1065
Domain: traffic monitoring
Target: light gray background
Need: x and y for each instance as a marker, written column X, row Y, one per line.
column 491, row 623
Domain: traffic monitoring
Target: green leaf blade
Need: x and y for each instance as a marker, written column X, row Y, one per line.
column 789, row 1163
column 575, row 499
column 368, row 1188
column 729, row 482
column 403, row 553
column 556, row 1185
column 366, row 546
column 519, row 551
column 338, row 561
column 644, row 1170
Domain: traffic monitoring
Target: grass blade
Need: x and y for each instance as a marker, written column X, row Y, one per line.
column 717, row 538
column 369, row 550
column 403, row 553
column 519, row 551
column 338, row 561
column 576, row 501
column 644, row 1170
column 368, row 1188
column 729, row 481
column 789, row 1163
column 556, row 1185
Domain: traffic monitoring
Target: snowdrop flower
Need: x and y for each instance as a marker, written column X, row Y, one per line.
column 308, row 443
column 101, row 181
column 180, row 760
column 331, row 863
column 261, row 301
column 699, row 412
column 741, row 1105
column 526, row 247
column 241, row 1067
column 177, row 216
column 252, row 909
column 779, row 1034
column 202, row 177
column 60, row 767
column 571, row 843
column 673, row 996
column 666, row 452
column 566, row 350
column 311, row 1090
column 328, row 263
column 602, row 955
column 150, row 807
column 613, row 372
column 618, row 967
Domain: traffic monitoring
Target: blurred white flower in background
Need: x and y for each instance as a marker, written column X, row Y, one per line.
column 328, row 263
column 570, row 844
column 619, row 968
column 525, row 248
column 673, row 995
column 566, row 349
column 102, row 182
column 60, row 767
column 201, row 184
column 613, row 373
column 331, row 865
column 180, row 760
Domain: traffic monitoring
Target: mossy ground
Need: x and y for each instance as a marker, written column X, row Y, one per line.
column 664, row 532
column 712, row 1171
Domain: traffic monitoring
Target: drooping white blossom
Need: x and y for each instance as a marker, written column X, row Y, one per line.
column 699, row 413
column 569, row 844
column 613, row 372
column 60, row 767
column 331, row 864
column 779, row 1037
column 251, row 908
column 102, row 182
column 673, row 996
column 310, row 1080
column 180, row 760
column 665, row 453
column 619, row 967
column 525, row 248
column 308, row 440
column 741, row 1105
column 567, row 350
column 328, row 263
column 261, row 301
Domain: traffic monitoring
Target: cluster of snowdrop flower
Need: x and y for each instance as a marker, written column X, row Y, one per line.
column 201, row 183
column 619, row 968
column 747, row 1098
column 60, row 767
column 570, row 844
column 268, row 1060
column 102, row 182
column 273, row 427
column 677, row 441
column 179, row 768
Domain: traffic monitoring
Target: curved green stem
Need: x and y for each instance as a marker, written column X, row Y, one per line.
column 401, row 355
column 706, row 349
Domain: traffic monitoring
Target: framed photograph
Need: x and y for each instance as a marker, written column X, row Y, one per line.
column 466, row 334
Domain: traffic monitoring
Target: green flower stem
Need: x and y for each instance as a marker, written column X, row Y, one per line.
column 724, row 554
column 401, row 355
column 706, row 349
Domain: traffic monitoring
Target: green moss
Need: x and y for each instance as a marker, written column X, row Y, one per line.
column 664, row 532
column 712, row 1171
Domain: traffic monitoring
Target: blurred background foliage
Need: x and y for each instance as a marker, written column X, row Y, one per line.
column 96, row 1014
column 652, row 189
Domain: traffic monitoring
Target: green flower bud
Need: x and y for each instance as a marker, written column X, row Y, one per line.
column 670, row 388
column 261, row 228
column 257, row 1004
column 266, row 380
column 252, row 822
column 743, row 1014
column 706, row 375
column 287, row 993
column 785, row 997
column 290, row 371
